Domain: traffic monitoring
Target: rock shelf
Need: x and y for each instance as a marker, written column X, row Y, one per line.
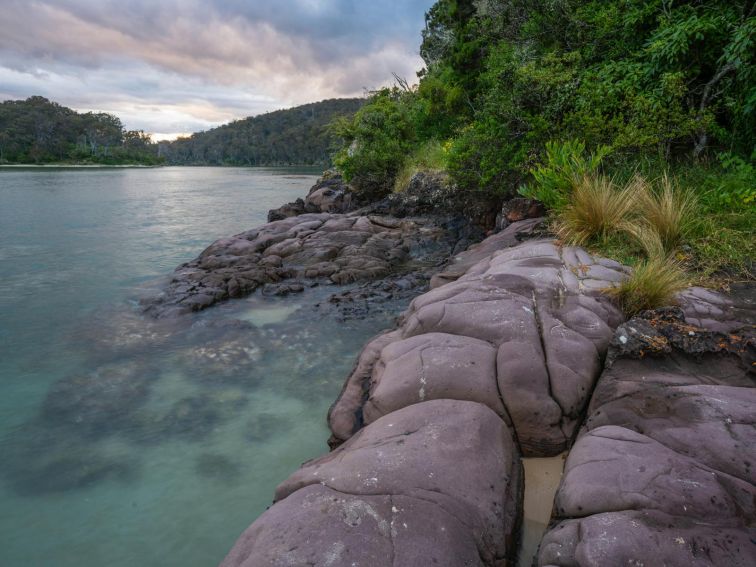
column 516, row 352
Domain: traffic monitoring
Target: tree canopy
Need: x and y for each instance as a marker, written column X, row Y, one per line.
column 296, row 136
column 669, row 79
column 38, row 131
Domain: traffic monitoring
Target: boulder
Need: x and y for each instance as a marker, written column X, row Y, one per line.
column 330, row 194
column 449, row 465
column 320, row 526
column 645, row 537
column 519, row 209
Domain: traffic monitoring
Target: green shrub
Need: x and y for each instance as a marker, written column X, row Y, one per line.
column 566, row 165
column 376, row 142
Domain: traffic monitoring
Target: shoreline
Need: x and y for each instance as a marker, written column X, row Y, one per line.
column 392, row 384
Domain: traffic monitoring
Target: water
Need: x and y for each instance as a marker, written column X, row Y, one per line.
column 126, row 441
column 542, row 476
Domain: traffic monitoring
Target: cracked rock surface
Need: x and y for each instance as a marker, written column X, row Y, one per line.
column 283, row 256
column 663, row 470
column 527, row 322
column 435, row 483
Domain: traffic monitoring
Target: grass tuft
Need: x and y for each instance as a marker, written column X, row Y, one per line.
column 653, row 283
column 667, row 209
column 597, row 208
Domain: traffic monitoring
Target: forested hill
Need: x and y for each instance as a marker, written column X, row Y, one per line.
column 38, row 131
column 298, row 136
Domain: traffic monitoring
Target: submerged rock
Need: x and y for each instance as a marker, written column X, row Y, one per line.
column 100, row 401
column 39, row 459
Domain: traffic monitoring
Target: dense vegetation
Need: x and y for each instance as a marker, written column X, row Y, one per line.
column 559, row 99
column 297, row 136
column 37, row 131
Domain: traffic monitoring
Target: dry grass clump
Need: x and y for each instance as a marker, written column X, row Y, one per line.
column 649, row 218
column 667, row 209
column 653, row 283
column 597, row 207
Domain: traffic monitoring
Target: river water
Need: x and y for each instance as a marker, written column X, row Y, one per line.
column 125, row 441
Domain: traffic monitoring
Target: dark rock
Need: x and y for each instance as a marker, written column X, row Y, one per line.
column 432, row 193
column 288, row 210
column 308, row 248
column 519, row 209
column 330, row 194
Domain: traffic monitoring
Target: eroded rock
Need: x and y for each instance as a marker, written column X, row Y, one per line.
column 285, row 254
column 452, row 465
column 663, row 471
column 539, row 306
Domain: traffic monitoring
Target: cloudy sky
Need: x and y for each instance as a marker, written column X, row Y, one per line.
column 179, row 66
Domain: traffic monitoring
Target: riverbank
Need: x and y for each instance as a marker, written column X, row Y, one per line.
column 497, row 363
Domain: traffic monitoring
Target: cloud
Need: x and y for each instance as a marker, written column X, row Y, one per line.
column 190, row 64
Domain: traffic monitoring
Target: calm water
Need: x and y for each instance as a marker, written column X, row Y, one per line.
column 124, row 441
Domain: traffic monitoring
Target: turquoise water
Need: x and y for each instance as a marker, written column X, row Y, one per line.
column 127, row 441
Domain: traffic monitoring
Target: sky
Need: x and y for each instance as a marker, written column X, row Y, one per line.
column 172, row 67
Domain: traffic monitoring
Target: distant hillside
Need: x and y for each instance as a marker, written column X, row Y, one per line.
column 297, row 136
column 36, row 131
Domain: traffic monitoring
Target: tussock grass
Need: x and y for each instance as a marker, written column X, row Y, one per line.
column 597, row 208
column 668, row 210
column 653, row 283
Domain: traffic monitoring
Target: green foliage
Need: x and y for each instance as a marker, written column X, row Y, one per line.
column 296, row 136
column 432, row 156
column 565, row 165
column 646, row 86
column 736, row 187
column 377, row 141
column 36, row 131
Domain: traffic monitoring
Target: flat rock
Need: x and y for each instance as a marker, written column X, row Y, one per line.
column 612, row 468
column 283, row 255
column 662, row 472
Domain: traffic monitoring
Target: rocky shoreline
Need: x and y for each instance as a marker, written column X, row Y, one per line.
column 514, row 351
